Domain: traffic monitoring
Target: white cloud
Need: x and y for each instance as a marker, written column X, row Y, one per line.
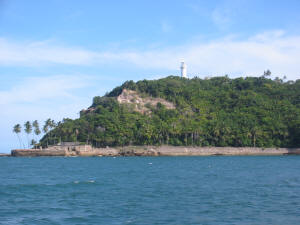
column 274, row 50
column 36, row 53
column 268, row 35
column 34, row 89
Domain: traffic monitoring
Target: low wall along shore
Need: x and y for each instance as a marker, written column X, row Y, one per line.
column 87, row 150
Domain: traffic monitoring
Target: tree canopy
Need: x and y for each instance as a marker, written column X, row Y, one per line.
column 251, row 111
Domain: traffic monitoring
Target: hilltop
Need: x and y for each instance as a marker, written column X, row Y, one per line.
column 252, row 111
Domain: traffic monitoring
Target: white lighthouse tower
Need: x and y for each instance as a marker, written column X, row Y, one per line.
column 183, row 70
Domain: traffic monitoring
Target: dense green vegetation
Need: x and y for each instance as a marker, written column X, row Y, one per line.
column 212, row 112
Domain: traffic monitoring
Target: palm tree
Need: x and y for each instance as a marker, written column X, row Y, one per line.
column 49, row 125
column 52, row 125
column 60, row 132
column 46, row 128
column 37, row 130
column 33, row 143
column 76, row 133
column 28, row 130
column 17, row 130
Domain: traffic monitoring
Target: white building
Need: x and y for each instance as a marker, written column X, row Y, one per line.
column 183, row 70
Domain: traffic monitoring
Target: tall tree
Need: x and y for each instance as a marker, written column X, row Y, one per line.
column 46, row 129
column 17, row 129
column 51, row 125
column 33, row 143
column 37, row 130
column 28, row 130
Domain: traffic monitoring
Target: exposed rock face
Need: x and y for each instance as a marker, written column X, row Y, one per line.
column 87, row 150
column 140, row 103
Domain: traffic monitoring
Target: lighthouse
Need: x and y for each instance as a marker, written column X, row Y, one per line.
column 183, row 70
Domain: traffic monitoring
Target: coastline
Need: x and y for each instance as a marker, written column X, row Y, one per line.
column 87, row 150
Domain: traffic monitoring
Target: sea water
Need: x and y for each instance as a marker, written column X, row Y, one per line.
column 150, row 190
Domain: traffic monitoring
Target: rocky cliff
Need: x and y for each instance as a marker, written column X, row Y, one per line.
column 141, row 104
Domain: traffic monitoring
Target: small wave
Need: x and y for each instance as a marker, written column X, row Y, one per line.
column 82, row 182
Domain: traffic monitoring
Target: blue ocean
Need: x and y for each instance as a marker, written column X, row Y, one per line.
column 150, row 190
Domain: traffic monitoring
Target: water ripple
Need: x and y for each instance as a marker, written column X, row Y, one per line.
column 150, row 190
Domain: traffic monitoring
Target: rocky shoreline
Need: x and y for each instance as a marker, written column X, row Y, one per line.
column 87, row 150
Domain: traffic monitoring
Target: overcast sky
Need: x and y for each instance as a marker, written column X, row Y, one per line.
column 56, row 55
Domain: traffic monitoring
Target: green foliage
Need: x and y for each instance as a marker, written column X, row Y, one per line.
column 36, row 126
column 17, row 129
column 252, row 111
column 28, row 127
column 28, row 130
column 33, row 143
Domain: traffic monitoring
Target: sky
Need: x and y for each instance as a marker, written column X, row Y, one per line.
column 55, row 56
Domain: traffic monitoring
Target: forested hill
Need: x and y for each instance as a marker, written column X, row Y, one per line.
column 252, row 111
